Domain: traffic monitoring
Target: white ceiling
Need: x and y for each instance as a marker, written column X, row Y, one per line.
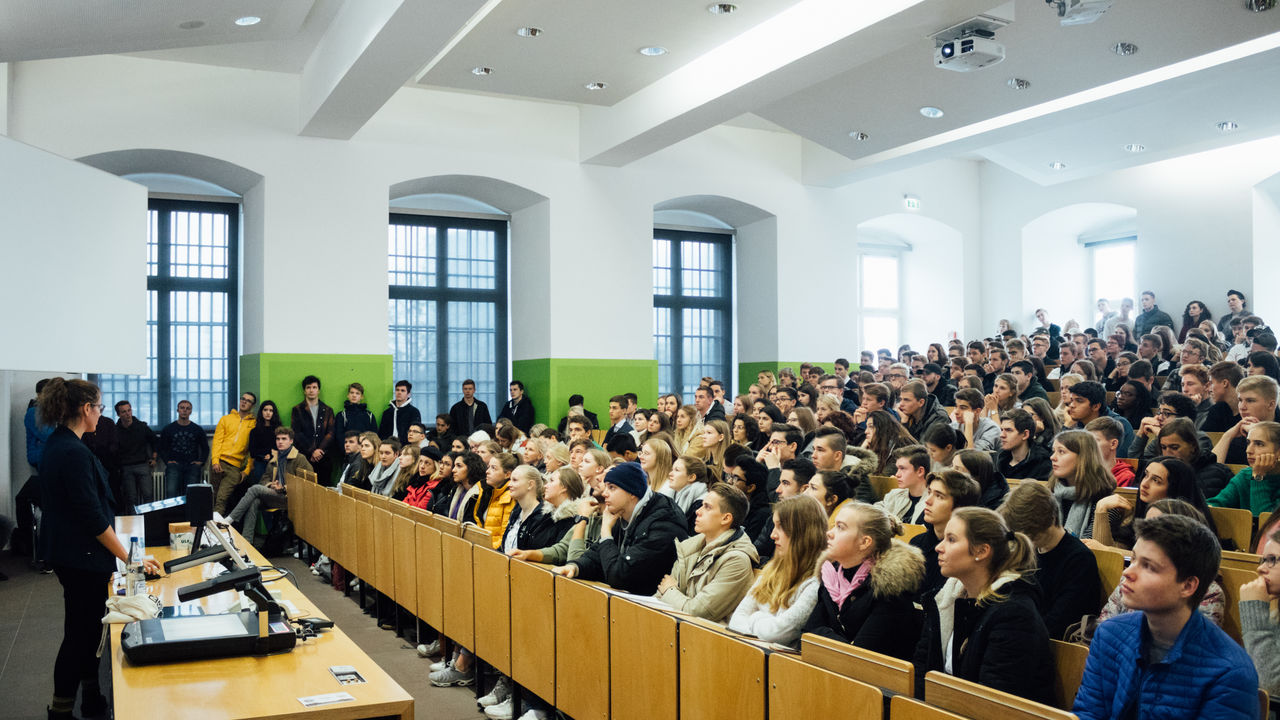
column 816, row 68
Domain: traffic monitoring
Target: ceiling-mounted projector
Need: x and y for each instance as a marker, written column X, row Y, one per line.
column 967, row 54
column 1079, row 12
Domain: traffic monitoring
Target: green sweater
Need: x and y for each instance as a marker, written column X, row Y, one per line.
column 1242, row 492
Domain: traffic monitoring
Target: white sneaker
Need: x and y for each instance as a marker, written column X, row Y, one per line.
column 452, row 676
column 534, row 715
column 439, row 665
column 502, row 711
column 429, row 650
column 501, row 693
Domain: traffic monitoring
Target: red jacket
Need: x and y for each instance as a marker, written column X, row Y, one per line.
column 420, row 496
column 1123, row 473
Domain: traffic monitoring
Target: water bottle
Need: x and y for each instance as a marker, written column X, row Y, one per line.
column 137, row 579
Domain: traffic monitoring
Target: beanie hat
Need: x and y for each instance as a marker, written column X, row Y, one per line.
column 629, row 477
column 433, row 452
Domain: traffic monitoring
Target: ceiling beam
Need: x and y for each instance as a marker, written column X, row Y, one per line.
column 812, row 41
column 372, row 48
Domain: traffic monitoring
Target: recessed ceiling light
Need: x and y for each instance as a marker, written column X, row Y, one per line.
column 722, row 8
column 859, row 135
column 1226, row 126
column 248, row 20
column 1124, row 49
column 1055, row 165
column 597, row 85
column 481, row 71
column 191, row 25
column 529, row 31
column 1018, row 83
column 653, row 51
column 931, row 112
column 1135, row 147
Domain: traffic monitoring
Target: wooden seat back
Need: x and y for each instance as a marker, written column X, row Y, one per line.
column 533, row 628
column 1234, row 524
column 705, row 655
column 979, row 701
column 458, row 600
column 642, row 637
column 582, row 649
column 404, row 544
column 800, row 690
column 909, row 531
column 430, row 590
column 902, row 707
column 1111, row 563
column 477, row 535
column 888, row 673
column 1232, row 579
column 491, row 588
column 1068, row 661
column 882, row 484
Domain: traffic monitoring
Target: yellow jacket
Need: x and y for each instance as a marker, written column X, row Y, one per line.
column 231, row 438
column 497, row 514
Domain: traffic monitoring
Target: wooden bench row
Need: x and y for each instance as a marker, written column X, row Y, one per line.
column 595, row 654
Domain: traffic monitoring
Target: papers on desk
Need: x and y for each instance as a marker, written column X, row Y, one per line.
column 326, row 699
column 646, row 600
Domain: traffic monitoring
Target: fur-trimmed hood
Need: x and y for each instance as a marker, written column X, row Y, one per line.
column 860, row 461
column 898, row 571
column 566, row 509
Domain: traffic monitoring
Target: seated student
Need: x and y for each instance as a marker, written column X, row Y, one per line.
column 1047, row 425
column 270, row 492
column 752, row 479
column 1224, row 414
column 793, row 480
column 468, row 477
column 656, row 460
column 783, row 597
column 920, row 410
column 1027, row 381
column 1260, row 630
column 361, row 454
column 531, row 524
column 1079, row 480
column 884, row 435
column 833, row 489
column 948, row 490
column 911, row 469
column 418, row 487
column 714, row 568
column 408, row 461
column 1213, row 605
column 1066, row 570
column 1256, row 488
column 980, row 432
column 1087, row 401
column 1020, row 455
column 1133, row 403
column 686, row 483
column 1256, row 397
column 383, row 475
column 1167, row 660
column 983, row 625
column 1172, row 405
column 941, row 444
column 1164, row 477
column 643, row 553
column 443, row 486
column 495, row 505
column 977, row 465
column 1108, row 433
column 869, row 584
column 1179, row 438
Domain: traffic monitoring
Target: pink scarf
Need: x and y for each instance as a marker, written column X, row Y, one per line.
column 840, row 588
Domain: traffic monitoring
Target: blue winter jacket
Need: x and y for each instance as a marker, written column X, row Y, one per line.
column 1205, row 675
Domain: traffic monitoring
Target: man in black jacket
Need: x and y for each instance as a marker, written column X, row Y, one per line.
column 576, row 408
column 708, row 408
column 1020, row 456
column 1151, row 315
column 313, row 423
column 355, row 415
column 469, row 413
column 920, row 410
column 519, row 409
column 397, row 418
column 645, row 550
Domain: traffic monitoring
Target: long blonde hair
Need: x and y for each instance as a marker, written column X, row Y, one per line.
column 715, row 455
column 406, row 473
column 662, row 461
column 804, row 521
column 684, row 437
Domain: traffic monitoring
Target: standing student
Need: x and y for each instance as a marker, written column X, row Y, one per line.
column 314, row 425
column 136, row 452
column 401, row 413
column 1066, row 570
column 786, row 592
column 618, row 418
column 869, row 584
column 77, row 539
column 984, row 624
column 1167, row 660
column 355, row 415
column 183, row 449
column 227, row 454
column 262, row 439
column 519, row 409
column 713, row 568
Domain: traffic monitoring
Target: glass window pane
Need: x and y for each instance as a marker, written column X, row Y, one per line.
column 879, row 332
column 411, row 255
column 199, row 244
column 702, row 347
column 661, row 267
column 701, row 274
column 662, row 346
column 879, row 282
column 472, row 349
column 472, row 259
column 1113, row 271
column 198, row 328
column 412, row 340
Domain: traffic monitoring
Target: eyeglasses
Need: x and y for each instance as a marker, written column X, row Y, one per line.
column 1268, row 560
column 1166, row 413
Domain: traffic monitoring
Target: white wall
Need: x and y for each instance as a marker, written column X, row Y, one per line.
column 1266, row 243
column 78, row 296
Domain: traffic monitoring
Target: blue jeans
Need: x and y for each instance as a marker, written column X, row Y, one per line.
column 177, row 476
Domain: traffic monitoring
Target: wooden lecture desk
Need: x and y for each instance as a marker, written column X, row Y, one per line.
column 253, row 686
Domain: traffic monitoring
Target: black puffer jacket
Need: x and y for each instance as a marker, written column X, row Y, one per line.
column 1002, row 644
column 536, row 531
column 880, row 615
column 640, row 552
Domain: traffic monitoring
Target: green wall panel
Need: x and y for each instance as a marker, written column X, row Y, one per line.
column 278, row 377
column 550, row 382
column 747, row 372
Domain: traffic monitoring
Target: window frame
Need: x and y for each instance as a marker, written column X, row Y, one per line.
column 894, row 314
column 165, row 284
column 677, row 302
column 1092, row 246
column 442, row 295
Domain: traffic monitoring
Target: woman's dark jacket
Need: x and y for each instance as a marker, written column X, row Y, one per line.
column 880, row 615
column 75, row 500
column 537, row 531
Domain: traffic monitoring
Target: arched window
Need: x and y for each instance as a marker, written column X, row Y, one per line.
column 692, row 308
column 192, row 296
column 447, row 307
